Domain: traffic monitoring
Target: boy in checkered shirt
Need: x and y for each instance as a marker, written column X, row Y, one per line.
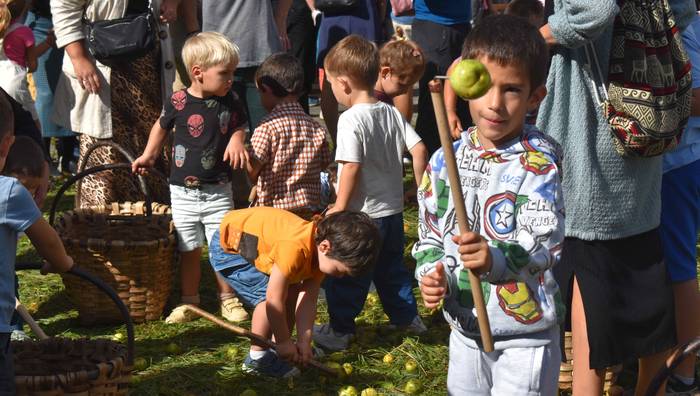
column 289, row 148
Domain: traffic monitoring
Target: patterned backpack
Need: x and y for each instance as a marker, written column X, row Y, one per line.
column 648, row 93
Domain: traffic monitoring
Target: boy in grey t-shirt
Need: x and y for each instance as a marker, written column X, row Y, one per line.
column 372, row 137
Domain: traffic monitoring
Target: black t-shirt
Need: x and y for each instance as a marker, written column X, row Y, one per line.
column 202, row 128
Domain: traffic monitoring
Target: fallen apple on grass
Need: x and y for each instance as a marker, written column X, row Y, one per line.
column 140, row 364
column 173, row 348
column 348, row 391
column 411, row 366
column 470, row 79
column 388, row 358
column 413, row 387
column 249, row 392
column 369, row 392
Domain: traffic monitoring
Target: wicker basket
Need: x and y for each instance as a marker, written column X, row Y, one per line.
column 58, row 366
column 129, row 246
column 566, row 369
column 131, row 252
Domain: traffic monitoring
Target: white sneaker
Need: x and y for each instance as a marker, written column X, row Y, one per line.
column 325, row 337
column 19, row 335
column 181, row 315
column 232, row 310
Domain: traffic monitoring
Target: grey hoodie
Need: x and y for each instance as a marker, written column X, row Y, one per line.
column 514, row 200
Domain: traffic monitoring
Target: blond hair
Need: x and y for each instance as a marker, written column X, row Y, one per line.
column 356, row 58
column 9, row 11
column 405, row 59
column 208, row 49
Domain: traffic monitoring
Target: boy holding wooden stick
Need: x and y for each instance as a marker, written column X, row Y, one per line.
column 510, row 175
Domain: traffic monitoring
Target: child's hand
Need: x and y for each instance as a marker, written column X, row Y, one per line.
column 50, row 39
column 236, row 154
column 47, row 268
column 433, row 287
column 474, row 252
column 288, row 351
column 455, row 124
column 306, row 354
column 142, row 164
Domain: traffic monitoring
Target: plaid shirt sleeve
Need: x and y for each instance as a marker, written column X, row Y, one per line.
column 261, row 144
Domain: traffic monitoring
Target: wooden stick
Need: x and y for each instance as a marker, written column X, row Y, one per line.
column 240, row 331
column 435, row 87
column 30, row 321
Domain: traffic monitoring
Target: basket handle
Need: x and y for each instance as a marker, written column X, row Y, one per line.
column 95, row 169
column 82, row 162
column 81, row 273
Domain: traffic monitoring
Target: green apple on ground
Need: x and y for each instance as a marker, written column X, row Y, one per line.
column 231, row 352
column 413, row 386
column 140, row 364
column 348, row 391
column 347, row 368
column 411, row 366
column 369, row 392
column 388, row 358
column 470, row 79
column 173, row 348
column 119, row 337
column 249, row 392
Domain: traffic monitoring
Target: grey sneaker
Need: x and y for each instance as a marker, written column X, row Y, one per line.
column 416, row 326
column 271, row 365
column 325, row 337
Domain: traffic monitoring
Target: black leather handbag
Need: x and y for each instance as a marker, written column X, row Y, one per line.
column 123, row 39
column 335, row 6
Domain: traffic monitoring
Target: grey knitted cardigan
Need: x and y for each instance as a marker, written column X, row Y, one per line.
column 605, row 196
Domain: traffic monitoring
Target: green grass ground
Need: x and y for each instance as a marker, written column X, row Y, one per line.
column 206, row 359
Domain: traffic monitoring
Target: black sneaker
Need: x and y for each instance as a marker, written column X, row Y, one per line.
column 674, row 386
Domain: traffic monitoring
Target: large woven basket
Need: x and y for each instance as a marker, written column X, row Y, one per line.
column 129, row 246
column 131, row 252
column 59, row 366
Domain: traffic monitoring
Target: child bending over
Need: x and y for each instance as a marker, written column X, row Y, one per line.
column 209, row 127
column 276, row 261
column 401, row 65
column 512, row 193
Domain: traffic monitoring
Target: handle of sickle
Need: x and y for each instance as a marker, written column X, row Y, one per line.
column 435, row 87
column 240, row 331
column 30, row 321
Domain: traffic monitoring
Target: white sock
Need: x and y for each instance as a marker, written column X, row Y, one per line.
column 685, row 380
column 255, row 355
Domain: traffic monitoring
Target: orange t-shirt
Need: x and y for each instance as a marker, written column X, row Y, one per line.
column 284, row 239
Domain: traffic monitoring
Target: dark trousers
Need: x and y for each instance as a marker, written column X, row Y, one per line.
column 346, row 296
column 7, row 369
column 302, row 36
column 441, row 45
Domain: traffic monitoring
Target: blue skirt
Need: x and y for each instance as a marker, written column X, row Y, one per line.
column 46, row 77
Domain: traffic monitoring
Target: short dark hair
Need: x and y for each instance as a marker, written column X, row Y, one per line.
column 282, row 73
column 25, row 158
column 509, row 40
column 525, row 8
column 354, row 240
column 355, row 57
column 7, row 116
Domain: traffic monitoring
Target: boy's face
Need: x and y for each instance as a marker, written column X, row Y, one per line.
column 393, row 84
column 499, row 115
column 327, row 265
column 216, row 80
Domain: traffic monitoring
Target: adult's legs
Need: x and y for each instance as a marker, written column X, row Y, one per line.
column 586, row 381
column 302, row 36
column 329, row 107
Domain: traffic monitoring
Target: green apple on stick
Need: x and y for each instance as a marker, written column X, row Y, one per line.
column 470, row 79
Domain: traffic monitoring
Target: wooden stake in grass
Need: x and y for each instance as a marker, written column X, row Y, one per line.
column 435, row 87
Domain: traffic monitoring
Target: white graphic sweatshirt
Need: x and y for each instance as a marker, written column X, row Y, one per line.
column 513, row 199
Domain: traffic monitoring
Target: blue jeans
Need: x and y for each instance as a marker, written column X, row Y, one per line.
column 346, row 296
column 249, row 283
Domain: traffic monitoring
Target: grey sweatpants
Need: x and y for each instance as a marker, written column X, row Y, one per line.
column 512, row 371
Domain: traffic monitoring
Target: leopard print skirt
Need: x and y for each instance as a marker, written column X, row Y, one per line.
column 136, row 104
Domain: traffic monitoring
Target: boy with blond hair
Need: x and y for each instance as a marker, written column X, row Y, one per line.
column 209, row 127
column 513, row 197
column 372, row 138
